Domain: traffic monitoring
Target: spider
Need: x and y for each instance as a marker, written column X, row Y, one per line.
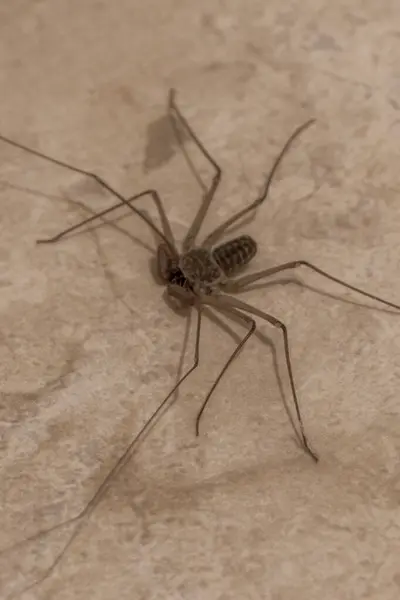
column 205, row 274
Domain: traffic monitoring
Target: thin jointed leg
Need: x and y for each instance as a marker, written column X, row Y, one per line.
column 194, row 229
column 213, row 237
column 167, row 236
column 240, row 345
column 120, row 464
column 240, row 284
column 228, row 302
column 174, row 107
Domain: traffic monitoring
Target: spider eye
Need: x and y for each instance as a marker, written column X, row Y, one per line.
column 165, row 263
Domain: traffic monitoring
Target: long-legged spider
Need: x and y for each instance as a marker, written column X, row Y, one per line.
column 200, row 275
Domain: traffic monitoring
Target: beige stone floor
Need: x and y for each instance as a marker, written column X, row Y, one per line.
column 88, row 347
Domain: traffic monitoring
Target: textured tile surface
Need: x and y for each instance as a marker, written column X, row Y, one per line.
column 88, row 347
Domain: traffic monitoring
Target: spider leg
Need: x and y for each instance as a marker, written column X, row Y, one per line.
column 238, row 285
column 249, row 321
column 217, row 233
column 168, row 237
column 230, row 303
column 175, row 115
column 194, row 229
column 86, row 512
column 174, row 109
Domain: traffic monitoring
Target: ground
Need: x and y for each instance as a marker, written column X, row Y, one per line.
column 89, row 348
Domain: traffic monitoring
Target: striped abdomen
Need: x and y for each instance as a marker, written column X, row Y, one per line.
column 235, row 254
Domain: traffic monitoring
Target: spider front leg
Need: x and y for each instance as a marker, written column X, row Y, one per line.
column 166, row 235
column 194, row 229
column 240, row 284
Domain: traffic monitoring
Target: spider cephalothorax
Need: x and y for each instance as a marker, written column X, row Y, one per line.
column 201, row 270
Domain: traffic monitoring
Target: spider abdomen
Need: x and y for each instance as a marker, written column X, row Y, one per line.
column 235, row 254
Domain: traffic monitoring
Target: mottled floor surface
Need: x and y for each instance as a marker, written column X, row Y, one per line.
column 89, row 348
